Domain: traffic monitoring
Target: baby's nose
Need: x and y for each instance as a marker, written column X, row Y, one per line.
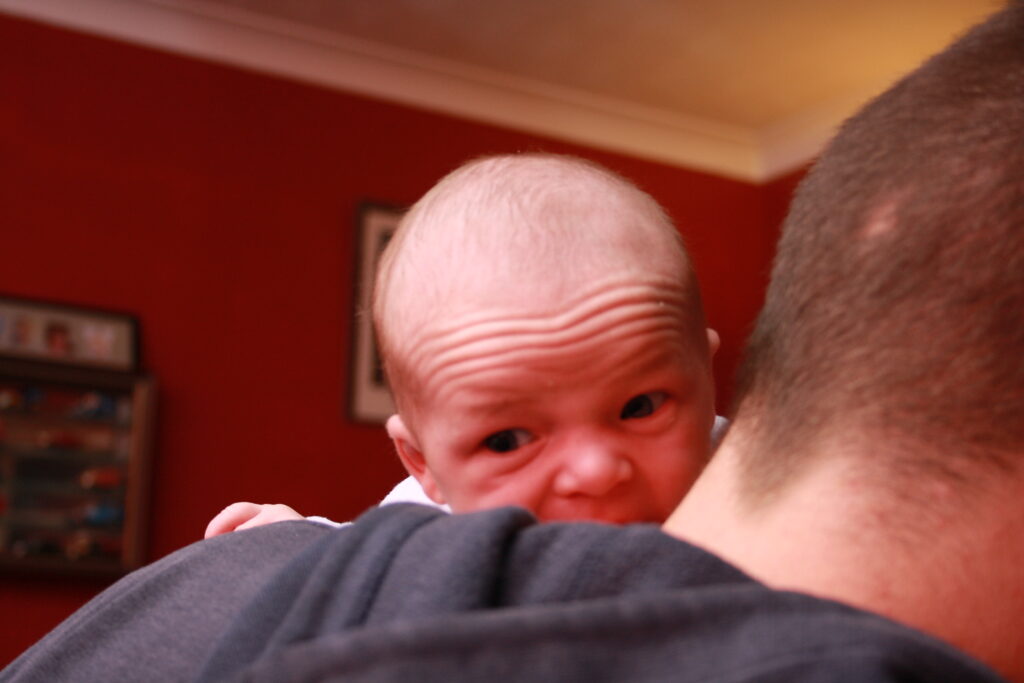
column 592, row 469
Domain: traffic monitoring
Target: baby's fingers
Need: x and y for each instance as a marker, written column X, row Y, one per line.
column 231, row 517
column 270, row 514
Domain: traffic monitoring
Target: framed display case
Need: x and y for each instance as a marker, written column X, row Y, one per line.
column 68, row 335
column 74, row 465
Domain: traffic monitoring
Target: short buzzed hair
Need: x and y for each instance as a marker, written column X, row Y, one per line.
column 540, row 196
column 896, row 304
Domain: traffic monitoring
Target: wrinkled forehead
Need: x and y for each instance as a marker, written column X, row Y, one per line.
column 539, row 290
column 607, row 322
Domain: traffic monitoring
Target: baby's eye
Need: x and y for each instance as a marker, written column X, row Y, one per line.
column 642, row 405
column 507, row 440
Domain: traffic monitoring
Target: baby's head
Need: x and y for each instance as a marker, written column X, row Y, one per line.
column 543, row 335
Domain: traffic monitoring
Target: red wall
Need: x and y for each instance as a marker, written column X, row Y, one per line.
column 217, row 205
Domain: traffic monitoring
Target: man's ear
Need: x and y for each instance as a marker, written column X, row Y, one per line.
column 412, row 458
column 713, row 342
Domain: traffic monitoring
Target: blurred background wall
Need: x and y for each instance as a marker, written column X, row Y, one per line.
column 218, row 206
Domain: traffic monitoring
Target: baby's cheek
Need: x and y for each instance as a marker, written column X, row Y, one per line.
column 491, row 486
column 677, row 468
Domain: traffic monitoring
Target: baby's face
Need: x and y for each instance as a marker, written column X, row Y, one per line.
column 601, row 411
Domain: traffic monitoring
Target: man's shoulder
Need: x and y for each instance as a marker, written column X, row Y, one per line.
column 504, row 558
column 497, row 595
column 410, row 592
column 725, row 633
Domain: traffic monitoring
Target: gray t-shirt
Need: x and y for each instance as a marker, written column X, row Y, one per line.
column 409, row 593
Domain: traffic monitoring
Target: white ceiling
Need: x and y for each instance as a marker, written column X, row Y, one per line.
column 743, row 88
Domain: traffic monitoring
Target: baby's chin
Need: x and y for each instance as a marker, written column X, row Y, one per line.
column 604, row 513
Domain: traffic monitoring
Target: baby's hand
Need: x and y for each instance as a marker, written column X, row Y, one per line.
column 238, row 516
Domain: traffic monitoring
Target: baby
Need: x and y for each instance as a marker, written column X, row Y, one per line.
column 543, row 336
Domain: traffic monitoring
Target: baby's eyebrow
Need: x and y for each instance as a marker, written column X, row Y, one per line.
column 502, row 402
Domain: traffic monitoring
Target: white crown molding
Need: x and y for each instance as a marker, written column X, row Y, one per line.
column 793, row 142
column 248, row 40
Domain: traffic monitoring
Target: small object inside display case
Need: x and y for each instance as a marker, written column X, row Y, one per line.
column 74, row 467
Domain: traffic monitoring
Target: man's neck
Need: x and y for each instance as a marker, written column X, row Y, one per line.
column 834, row 535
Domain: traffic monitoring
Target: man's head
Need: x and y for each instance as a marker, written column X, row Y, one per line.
column 874, row 454
column 896, row 307
column 543, row 335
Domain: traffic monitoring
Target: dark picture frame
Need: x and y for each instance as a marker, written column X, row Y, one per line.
column 65, row 334
column 369, row 398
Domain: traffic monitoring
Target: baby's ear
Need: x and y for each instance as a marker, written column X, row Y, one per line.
column 713, row 342
column 412, row 458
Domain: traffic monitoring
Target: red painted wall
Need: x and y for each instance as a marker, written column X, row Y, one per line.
column 217, row 205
